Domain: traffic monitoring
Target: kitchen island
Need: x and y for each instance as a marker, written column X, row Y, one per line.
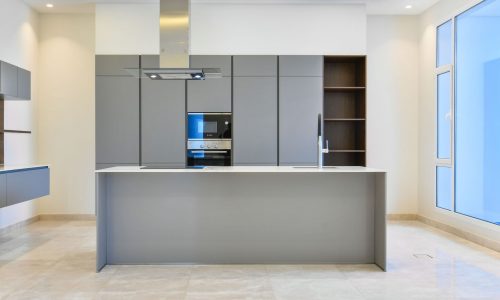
column 241, row 215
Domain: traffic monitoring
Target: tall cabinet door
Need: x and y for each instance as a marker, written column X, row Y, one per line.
column 117, row 120
column 210, row 95
column 163, row 122
column 117, row 111
column 255, row 121
column 255, row 110
column 300, row 102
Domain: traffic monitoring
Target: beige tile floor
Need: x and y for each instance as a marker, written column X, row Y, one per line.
column 55, row 260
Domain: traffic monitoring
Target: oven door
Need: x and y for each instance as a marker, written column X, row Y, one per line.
column 209, row 157
column 209, row 126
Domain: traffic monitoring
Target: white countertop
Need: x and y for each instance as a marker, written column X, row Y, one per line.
column 241, row 169
column 14, row 168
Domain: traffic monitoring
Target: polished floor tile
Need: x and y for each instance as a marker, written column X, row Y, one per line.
column 56, row 260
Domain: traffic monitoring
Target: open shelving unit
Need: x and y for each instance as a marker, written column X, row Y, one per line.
column 344, row 110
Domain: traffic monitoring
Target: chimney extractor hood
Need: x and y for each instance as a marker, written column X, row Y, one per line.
column 174, row 46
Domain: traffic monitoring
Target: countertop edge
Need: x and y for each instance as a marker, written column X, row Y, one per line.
column 246, row 170
column 14, row 169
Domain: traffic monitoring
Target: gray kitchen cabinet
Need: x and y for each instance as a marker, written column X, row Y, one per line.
column 301, row 65
column 23, row 84
column 117, row 120
column 255, row 121
column 114, row 65
column 213, row 94
column 210, row 95
column 15, row 82
column 150, row 61
column 255, row 65
column 8, row 79
column 3, row 190
column 222, row 62
column 163, row 122
column 300, row 102
column 27, row 185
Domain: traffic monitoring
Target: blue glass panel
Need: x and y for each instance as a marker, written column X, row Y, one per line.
column 443, row 187
column 195, row 126
column 444, row 51
column 444, row 115
column 477, row 157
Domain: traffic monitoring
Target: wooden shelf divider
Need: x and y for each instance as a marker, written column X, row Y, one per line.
column 344, row 88
column 343, row 120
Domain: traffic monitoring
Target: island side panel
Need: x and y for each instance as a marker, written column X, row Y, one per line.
column 101, row 255
column 380, row 220
column 219, row 218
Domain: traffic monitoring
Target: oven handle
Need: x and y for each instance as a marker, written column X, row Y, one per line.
column 207, row 151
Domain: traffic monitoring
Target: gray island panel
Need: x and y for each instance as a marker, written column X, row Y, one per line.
column 240, row 218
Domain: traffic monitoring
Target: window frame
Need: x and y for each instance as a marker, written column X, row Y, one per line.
column 451, row 162
column 448, row 162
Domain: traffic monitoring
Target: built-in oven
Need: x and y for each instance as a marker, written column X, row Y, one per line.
column 209, row 152
column 203, row 126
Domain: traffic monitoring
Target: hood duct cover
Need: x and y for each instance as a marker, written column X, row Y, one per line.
column 174, row 46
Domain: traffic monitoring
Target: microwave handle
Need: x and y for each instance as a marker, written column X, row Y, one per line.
column 209, row 151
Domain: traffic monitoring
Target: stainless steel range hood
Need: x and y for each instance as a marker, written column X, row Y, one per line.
column 174, row 45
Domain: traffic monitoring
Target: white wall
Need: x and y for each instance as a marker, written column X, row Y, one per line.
column 19, row 36
column 442, row 11
column 238, row 29
column 278, row 29
column 127, row 29
column 392, row 105
column 66, row 111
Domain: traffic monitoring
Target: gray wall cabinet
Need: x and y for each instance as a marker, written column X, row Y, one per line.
column 150, row 61
column 3, row 190
column 210, row 95
column 117, row 120
column 23, row 84
column 255, row 121
column 15, row 82
column 255, row 110
column 27, row 185
column 114, row 65
column 212, row 61
column 255, row 65
column 163, row 122
column 301, row 65
column 300, row 102
column 8, row 79
column 117, row 110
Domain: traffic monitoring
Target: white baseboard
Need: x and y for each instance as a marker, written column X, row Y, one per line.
column 471, row 237
column 402, row 217
column 67, row 217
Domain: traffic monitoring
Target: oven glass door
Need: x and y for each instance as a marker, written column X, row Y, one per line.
column 209, row 158
column 209, row 126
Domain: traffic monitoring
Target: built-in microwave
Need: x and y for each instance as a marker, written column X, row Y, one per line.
column 202, row 126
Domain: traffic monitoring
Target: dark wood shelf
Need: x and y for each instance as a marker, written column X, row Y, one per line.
column 344, row 88
column 344, row 109
column 343, row 119
column 15, row 131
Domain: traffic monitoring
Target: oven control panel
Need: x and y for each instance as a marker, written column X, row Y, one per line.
column 209, row 144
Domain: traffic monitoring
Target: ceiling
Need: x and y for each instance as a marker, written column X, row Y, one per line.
column 375, row 7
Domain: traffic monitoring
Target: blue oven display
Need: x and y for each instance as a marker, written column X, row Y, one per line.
column 209, row 126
